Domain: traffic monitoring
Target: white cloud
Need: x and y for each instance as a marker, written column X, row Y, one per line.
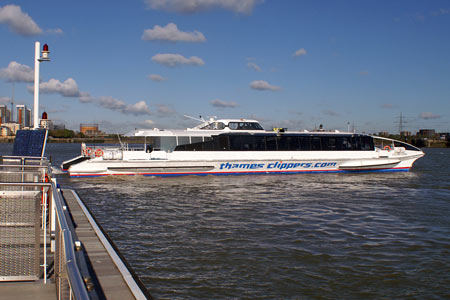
column 58, row 110
column 18, row 21
column 387, row 106
column 156, row 77
column 68, row 88
column 149, row 122
column 56, row 31
column 172, row 60
column 364, row 73
column 429, row 116
column 139, row 108
column 108, row 102
column 172, row 34
column 254, row 66
column 164, row 110
column 16, row 72
column 5, row 100
column 85, row 97
column 222, row 104
column 194, row 6
column 141, row 124
column 300, row 52
column 330, row 113
column 262, row 85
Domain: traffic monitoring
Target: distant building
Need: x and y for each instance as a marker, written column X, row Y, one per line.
column 89, row 129
column 13, row 127
column 444, row 135
column 383, row 133
column 426, row 132
column 405, row 133
column 23, row 115
column 5, row 131
column 5, row 114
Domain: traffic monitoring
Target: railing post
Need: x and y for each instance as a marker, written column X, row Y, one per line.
column 52, row 214
column 45, row 234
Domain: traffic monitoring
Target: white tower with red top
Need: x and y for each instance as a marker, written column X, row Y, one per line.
column 37, row 59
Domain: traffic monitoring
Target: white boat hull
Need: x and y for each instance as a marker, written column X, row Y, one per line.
column 311, row 163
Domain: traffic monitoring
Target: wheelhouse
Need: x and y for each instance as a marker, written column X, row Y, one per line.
column 229, row 125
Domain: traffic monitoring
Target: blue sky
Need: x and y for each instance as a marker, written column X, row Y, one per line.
column 290, row 63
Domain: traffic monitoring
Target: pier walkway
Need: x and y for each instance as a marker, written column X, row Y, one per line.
column 51, row 247
column 112, row 274
column 27, row 291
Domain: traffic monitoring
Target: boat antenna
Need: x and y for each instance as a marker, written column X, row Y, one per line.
column 197, row 119
column 121, row 144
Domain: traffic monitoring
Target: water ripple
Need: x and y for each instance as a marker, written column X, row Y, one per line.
column 347, row 236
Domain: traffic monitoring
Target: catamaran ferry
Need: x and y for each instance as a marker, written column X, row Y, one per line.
column 242, row 147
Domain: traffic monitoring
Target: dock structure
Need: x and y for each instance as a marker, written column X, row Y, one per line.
column 51, row 247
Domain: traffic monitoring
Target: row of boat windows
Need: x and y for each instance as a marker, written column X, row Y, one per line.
column 281, row 143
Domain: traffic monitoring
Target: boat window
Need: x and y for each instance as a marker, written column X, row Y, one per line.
column 168, row 143
column 271, row 143
column 288, row 143
column 256, row 126
column 222, row 143
column 315, row 143
column 244, row 126
column 247, row 143
column 192, row 147
column 406, row 146
column 259, row 142
column 214, row 126
column 183, row 140
column 165, row 143
column 283, row 143
column 208, row 145
column 294, row 143
column 233, row 125
column 305, row 142
column 328, row 143
column 356, row 143
column 196, row 139
column 344, row 143
column 235, row 143
column 366, row 143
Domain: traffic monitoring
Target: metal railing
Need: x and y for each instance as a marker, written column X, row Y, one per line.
column 66, row 268
column 22, row 175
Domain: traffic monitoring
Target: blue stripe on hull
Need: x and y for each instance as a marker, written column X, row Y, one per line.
column 248, row 173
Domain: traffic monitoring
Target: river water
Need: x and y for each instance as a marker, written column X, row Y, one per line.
column 306, row 236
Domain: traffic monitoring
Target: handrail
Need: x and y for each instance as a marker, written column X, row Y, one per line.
column 24, row 166
column 74, row 275
column 26, row 184
column 42, row 161
column 26, row 157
